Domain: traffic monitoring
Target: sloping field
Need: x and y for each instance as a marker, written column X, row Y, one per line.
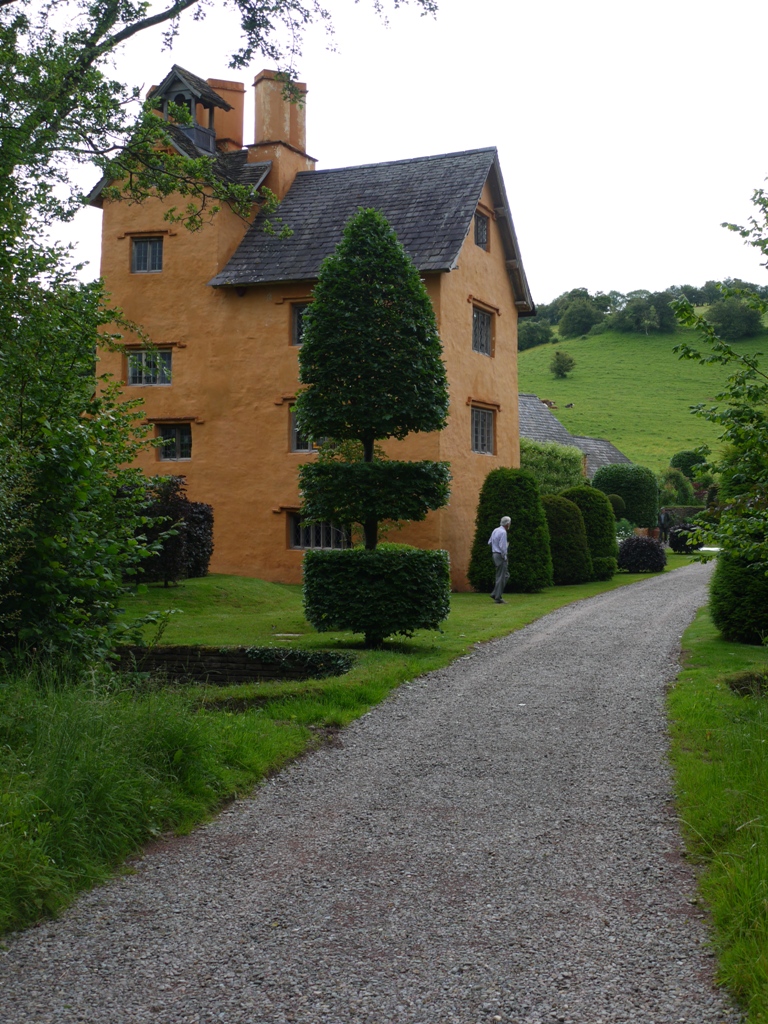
column 631, row 390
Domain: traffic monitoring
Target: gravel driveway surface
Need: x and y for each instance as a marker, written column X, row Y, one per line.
column 495, row 842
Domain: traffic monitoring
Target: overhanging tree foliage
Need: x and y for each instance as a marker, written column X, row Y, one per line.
column 740, row 525
column 371, row 367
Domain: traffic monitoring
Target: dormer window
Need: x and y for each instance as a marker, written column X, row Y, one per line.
column 184, row 89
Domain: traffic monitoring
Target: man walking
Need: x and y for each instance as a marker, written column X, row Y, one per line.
column 498, row 542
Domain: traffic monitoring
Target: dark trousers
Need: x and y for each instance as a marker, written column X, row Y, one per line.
column 502, row 575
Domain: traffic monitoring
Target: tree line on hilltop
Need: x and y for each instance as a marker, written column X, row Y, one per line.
column 577, row 312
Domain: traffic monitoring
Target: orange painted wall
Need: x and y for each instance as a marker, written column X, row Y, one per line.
column 235, row 370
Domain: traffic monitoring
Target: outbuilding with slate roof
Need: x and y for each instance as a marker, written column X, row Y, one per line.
column 538, row 423
column 223, row 308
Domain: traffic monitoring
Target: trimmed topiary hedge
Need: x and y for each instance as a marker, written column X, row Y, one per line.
column 641, row 554
column 637, row 486
column 350, row 492
column 681, row 539
column 393, row 589
column 600, row 524
column 738, row 599
column 571, row 561
column 618, row 505
column 513, row 493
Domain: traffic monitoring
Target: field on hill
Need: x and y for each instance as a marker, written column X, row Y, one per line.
column 631, row 390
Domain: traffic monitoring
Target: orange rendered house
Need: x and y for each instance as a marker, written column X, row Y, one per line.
column 223, row 308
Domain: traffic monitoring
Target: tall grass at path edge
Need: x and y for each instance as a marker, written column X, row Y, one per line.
column 720, row 758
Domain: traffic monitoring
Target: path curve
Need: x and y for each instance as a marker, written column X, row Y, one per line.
column 495, row 842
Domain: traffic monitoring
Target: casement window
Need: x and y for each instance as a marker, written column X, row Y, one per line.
column 481, row 230
column 299, row 443
column 482, row 331
column 298, row 309
column 150, row 367
column 147, row 256
column 177, row 441
column 483, row 430
column 311, row 536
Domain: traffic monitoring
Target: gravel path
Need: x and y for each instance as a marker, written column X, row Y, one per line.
column 495, row 842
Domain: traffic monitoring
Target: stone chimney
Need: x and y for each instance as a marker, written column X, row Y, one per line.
column 281, row 134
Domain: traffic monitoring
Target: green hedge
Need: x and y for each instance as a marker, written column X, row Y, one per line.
column 513, row 493
column 352, row 492
column 391, row 590
column 571, row 561
column 738, row 599
column 555, row 466
column 600, row 524
column 637, row 486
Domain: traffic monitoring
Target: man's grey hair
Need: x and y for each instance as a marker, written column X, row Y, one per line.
column 505, row 520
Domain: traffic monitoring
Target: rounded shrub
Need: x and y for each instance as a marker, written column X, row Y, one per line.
column 675, row 488
column 641, row 554
column 682, row 539
column 393, row 589
column 571, row 561
column 618, row 505
column 513, row 493
column 689, row 461
column 636, row 485
column 600, row 524
column 738, row 599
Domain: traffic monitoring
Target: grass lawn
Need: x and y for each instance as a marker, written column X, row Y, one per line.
column 89, row 772
column 720, row 758
column 631, row 390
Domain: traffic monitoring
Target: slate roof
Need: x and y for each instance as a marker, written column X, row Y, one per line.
column 429, row 202
column 538, row 424
column 600, row 453
column 198, row 86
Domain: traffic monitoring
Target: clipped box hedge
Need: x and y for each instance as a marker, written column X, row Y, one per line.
column 391, row 590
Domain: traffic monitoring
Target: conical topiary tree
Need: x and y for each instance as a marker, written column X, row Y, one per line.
column 600, row 524
column 513, row 493
column 571, row 561
column 371, row 367
column 738, row 599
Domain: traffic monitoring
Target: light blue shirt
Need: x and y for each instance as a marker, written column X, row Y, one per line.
column 498, row 541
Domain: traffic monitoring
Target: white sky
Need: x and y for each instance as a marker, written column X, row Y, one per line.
column 627, row 131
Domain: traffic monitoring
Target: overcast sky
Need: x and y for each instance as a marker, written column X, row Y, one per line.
column 627, row 131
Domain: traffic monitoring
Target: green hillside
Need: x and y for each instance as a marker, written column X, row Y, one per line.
column 631, row 390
